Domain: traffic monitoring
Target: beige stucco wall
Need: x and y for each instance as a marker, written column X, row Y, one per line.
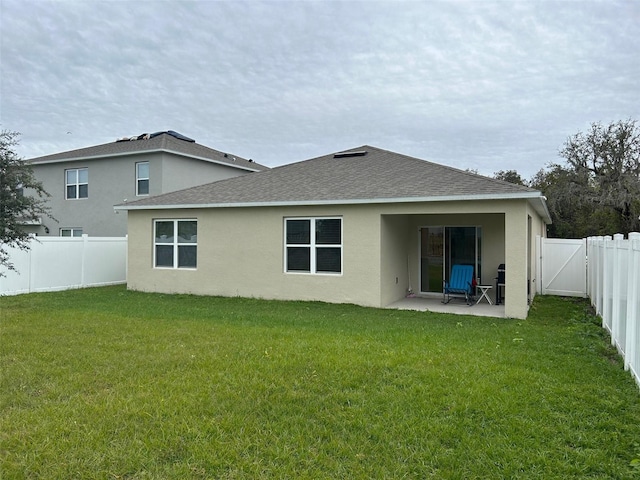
column 538, row 228
column 241, row 251
column 516, row 300
column 395, row 245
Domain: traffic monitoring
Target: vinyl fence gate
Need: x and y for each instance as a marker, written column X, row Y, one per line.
column 563, row 267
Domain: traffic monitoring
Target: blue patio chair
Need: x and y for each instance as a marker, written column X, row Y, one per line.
column 460, row 283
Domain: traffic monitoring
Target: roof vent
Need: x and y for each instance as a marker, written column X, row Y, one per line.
column 355, row 153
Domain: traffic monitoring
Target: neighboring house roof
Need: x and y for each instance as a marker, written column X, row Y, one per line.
column 361, row 175
column 169, row 142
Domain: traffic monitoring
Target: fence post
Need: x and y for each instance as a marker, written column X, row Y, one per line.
column 83, row 261
column 539, row 265
column 588, row 267
column 616, row 288
column 32, row 265
column 606, row 283
column 633, row 291
column 592, row 260
column 585, row 268
column 597, row 266
column 126, row 258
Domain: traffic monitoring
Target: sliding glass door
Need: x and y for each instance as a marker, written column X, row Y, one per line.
column 442, row 247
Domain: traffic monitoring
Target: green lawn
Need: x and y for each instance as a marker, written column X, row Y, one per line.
column 105, row 383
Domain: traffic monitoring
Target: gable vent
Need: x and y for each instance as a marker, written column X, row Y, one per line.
column 356, row 153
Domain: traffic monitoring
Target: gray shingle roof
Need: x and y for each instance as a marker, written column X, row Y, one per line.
column 377, row 176
column 162, row 142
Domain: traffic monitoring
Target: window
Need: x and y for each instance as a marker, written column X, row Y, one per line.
column 70, row 232
column 313, row 245
column 77, row 182
column 176, row 243
column 142, row 178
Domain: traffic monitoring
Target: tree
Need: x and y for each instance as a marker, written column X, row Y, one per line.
column 510, row 176
column 604, row 168
column 597, row 190
column 16, row 208
column 571, row 218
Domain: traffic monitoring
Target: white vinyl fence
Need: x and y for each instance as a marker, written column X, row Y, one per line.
column 613, row 274
column 61, row 263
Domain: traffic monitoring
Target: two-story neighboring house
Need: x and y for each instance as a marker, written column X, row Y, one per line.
column 85, row 184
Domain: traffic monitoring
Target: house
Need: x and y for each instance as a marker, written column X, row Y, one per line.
column 85, row 184
column 362, row 226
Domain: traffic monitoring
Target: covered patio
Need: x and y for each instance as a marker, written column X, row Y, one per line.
column 430, row 244
column 426, row 240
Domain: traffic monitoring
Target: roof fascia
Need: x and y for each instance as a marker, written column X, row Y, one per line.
column 540, row 206
column 531, row 196
column 142, row 152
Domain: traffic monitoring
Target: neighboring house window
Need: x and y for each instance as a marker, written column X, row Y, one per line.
column 142, row 178
column 70, row 232
column 313, row 245
column 77, row 182
column 176, row 243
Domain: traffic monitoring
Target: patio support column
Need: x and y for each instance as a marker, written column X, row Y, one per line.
column 515, row 225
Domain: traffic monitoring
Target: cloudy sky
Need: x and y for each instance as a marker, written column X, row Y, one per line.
column 473, row 84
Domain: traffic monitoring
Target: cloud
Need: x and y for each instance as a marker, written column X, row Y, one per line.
column 486, row 85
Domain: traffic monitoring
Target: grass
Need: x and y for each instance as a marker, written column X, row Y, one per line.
column 110, row 384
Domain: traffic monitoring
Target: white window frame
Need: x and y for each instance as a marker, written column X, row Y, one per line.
column 313, row 247
column 74, row 232
column 139, row 178
column 174, row 243
column 75, row 184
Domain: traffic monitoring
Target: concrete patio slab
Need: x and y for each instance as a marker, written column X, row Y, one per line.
column 456, row 306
